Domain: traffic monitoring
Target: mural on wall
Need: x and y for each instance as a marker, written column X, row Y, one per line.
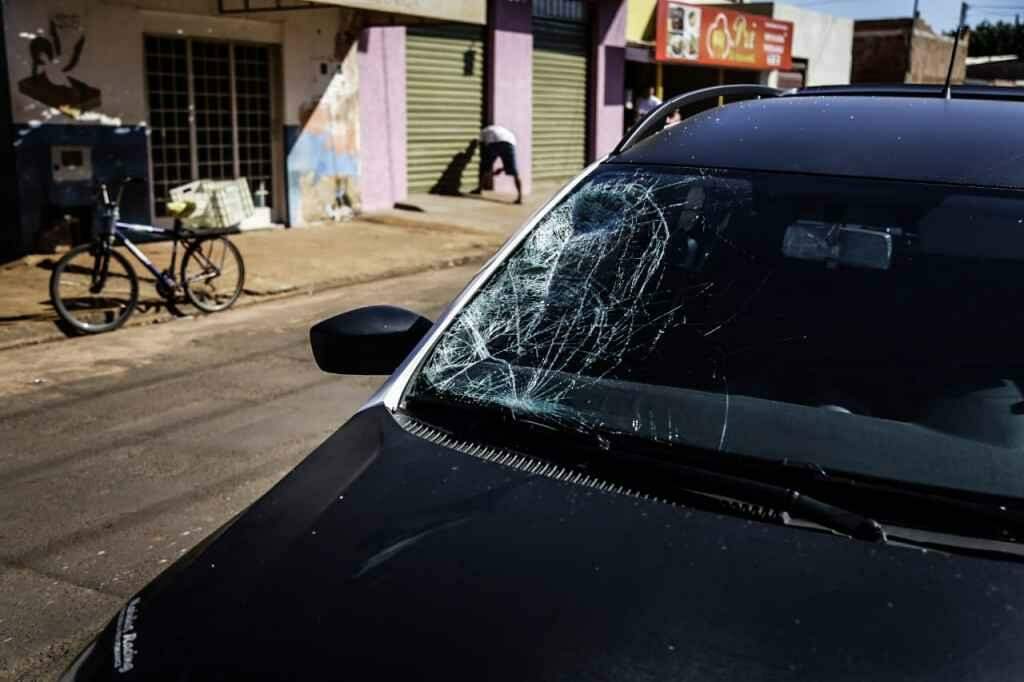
column 323, row 165
column 53, row 58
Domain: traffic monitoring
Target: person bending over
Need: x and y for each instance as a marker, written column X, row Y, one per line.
column 497, row 142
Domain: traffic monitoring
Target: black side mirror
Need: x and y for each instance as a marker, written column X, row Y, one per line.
column 371, row 340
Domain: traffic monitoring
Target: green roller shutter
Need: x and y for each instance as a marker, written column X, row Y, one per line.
column 559, row 98
column 444, row 100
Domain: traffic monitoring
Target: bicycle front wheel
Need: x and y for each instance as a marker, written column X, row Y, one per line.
column 212, row 274
column 94, row 289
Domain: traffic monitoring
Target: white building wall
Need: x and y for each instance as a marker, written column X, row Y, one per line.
column 315, row 122
column 112, row 56
column 110, row 60
column 824, row 40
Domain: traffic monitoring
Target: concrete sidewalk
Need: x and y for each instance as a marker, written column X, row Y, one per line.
column 427, row 232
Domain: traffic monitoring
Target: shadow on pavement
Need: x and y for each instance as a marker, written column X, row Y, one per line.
column 450, row 182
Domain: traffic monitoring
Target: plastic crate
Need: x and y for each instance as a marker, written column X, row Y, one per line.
column 191, row 193
column 219, row 203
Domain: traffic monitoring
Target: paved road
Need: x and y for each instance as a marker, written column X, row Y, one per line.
column 120, row 452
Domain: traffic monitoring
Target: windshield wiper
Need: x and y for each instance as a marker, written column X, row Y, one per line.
column 835, row 518
column 943, row 510
column 603, row 454
column 770, row 495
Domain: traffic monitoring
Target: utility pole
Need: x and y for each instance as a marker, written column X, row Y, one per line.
column 908, row 75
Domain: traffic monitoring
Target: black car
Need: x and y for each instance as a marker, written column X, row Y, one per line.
column 745, row 401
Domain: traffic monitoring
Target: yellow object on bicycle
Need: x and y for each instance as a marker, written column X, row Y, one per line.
column 180, row 209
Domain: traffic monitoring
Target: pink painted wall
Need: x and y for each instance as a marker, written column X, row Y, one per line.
column 608, row 60
column 510, row 76
column 382, row 142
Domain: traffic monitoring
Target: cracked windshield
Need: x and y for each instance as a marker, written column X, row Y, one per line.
column 850, row 322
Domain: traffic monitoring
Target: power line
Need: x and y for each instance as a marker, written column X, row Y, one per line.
column 817, row 3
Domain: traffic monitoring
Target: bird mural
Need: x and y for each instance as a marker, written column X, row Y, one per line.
column 51, row 82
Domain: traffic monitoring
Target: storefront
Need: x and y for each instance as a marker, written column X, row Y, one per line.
column 327, row 108
column 444, row 66
column 210, row 106
column 529, row 70
column 101, row 90
column 560, row 56
column 676, row 47
column 548, row 70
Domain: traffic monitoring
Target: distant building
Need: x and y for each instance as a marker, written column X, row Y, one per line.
column 904, row 50
column 1003, row 69
column 787, row 47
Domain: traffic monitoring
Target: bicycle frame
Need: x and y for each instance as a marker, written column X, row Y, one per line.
column 117, row 234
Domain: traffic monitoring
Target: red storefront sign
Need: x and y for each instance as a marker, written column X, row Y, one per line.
column 701, row 34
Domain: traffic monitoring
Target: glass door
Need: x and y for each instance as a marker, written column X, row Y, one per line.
column 210, row 112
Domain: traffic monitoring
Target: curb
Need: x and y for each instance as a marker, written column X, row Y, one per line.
column 257, row 298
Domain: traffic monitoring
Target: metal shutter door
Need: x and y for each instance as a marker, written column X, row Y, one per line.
column 444, row 100
column 559, row 98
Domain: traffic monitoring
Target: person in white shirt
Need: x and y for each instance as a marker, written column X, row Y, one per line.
column 497, row 142
column 646, row 105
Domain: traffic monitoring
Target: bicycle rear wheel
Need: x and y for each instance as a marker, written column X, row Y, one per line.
column 212, row 274
column 94, row 289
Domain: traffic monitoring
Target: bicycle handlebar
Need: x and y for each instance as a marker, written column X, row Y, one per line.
column 105, row 194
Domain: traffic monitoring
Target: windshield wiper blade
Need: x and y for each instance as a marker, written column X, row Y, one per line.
column 645, row 470
column 835, row 518
column 906, row 504
column 782, row 499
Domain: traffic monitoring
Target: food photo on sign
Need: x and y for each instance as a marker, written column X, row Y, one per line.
column 684, row 29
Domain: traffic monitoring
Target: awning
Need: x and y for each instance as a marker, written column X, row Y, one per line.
column 464, row 11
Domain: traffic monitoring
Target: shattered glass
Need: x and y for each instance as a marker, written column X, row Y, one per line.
column 568, row 306
column 583, row 296
column 687, row 306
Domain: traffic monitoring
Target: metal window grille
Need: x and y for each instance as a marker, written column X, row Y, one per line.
column 211, row 92
column 169, row 115
column 253, row 115
column 574, row 11
column 209, row 113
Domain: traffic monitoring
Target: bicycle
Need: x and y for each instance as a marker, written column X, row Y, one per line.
column 94, row 288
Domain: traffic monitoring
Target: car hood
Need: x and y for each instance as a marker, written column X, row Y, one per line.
column 388, row 556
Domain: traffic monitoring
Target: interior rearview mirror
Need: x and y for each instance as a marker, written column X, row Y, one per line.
column 371, row 340
column 849, row 245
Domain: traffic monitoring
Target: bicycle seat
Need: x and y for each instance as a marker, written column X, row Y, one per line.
column 180, row 209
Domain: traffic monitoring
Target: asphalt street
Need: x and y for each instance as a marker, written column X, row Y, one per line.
column 119, row 452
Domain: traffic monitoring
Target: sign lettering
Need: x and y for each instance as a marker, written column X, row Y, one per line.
column 704, row 35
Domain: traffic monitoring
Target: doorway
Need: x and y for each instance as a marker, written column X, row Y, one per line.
column 210, row 114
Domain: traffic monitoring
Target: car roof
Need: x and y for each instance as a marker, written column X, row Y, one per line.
column 894, row 133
